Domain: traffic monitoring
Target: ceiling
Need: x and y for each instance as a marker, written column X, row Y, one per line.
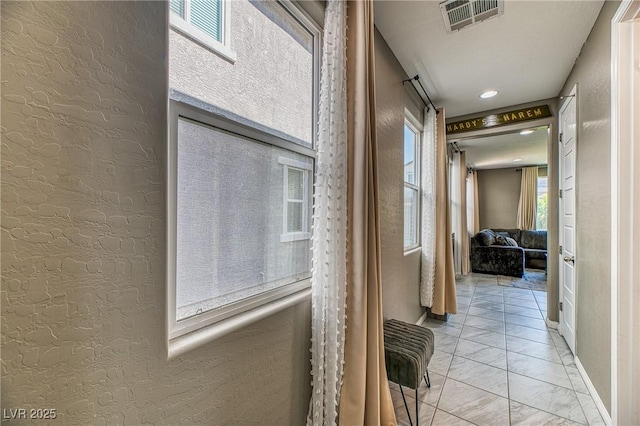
column 526, row 53
column 499, row 151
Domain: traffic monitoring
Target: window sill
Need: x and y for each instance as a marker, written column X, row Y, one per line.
column 187, row 342
column 411, row 250
column 295, row 236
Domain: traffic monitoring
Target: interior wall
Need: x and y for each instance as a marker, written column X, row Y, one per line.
column 400, row 272
column 84, row 106
column 592, row 73
column 498, row 197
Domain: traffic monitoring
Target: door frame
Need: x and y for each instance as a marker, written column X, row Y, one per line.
column 625, row 212
column 571, row 97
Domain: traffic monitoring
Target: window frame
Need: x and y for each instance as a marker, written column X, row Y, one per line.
column 193, row 332
column 220, row 47
column 307, row 169
column 412, row 123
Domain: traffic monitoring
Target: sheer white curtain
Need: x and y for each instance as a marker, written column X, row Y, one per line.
column 328, row 278
column 428, row 181
column 473, row 209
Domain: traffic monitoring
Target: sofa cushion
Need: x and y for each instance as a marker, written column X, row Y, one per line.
column 486, row 237
column 533, row 239
column 512, row 233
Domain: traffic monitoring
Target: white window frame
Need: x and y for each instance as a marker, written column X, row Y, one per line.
column 191, row 333
column 222, row 47
column 412, row 123
column 307, row 169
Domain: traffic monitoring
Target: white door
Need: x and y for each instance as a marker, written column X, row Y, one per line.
column 567, row 207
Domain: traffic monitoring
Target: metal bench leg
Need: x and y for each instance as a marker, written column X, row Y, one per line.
column 406, row 407
column 426, row 379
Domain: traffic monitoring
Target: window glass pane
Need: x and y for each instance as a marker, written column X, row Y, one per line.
column 410, row 165
column 206, row 15
column 295, row 184
column 229, row 220
column 410, row 216
column 541, row 219
column 177, row 6
column 294, row 216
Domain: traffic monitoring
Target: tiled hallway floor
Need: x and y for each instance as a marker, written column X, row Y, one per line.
column 496, row 363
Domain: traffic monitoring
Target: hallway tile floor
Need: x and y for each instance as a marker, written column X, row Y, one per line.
column 496, row 363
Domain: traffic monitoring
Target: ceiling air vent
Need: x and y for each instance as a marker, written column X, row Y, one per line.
column 458, row 14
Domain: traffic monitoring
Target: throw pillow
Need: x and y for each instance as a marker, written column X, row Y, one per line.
column 511, row 242
column 500, row 240
column 486, row 237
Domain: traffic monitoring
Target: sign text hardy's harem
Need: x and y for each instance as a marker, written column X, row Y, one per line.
column 507, row 117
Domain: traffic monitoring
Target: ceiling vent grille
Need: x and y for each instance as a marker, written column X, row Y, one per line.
column 458, row 14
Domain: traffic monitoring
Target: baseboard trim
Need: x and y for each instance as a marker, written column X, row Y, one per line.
column 422, row 318
column 594, row 394
column 551, row 324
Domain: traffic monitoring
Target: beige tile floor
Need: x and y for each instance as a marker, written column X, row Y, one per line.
column 496, row 363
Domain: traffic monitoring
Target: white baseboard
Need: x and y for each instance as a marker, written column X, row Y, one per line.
column 422, row 318
column 551, row 324
column 594, row 394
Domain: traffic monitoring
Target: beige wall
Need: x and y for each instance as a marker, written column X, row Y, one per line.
column 593, row 197
column 83, row 236
column 400, row 273
column 498, row 196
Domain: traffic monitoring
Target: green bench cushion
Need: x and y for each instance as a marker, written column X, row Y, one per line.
column 408, row 348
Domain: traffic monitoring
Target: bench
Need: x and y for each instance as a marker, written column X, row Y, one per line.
column 408, row 348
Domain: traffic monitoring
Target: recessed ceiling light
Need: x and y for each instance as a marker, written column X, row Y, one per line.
column 488, row 94
column 526, row 132
column 515, row 160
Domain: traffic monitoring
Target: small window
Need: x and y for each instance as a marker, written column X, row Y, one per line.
column 411, row 186
column 203, row 21
column 296, row 200
column 541, row 218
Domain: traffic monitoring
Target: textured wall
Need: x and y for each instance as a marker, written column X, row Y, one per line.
column 498, row 196
column 83, row 236
column 593, row 197
column 400, row 273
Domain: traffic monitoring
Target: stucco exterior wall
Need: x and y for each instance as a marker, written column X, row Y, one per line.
column 267, row 84
column 400, row 272
column 592, row 73
column 84, row 89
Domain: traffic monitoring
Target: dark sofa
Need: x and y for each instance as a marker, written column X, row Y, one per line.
column 508, row 251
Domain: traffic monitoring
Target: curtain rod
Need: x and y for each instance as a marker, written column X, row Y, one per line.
column 417, row 78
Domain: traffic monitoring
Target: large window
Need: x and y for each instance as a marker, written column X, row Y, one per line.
column 411, row 186
column 541, row 218
column 240, row 170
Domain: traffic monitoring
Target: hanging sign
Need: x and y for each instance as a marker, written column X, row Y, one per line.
column 503, row 118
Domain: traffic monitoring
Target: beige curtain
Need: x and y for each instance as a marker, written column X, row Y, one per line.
column 464, row 234
column 365, row 397
column 444, row 291
column 473, row 207
column 528, row 205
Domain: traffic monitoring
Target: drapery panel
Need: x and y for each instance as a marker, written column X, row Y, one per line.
column 329, row 239
column 528, row 204
column 464, row 233
column 428, row 188
column 444, row 291
column 365, row 398
column 438, row 277
column 473, row 208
